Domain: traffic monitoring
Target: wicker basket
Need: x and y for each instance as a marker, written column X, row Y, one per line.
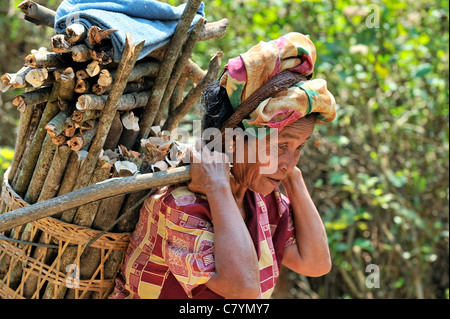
column 34, row 271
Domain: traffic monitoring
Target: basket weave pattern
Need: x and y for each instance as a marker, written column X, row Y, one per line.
column 27, row 270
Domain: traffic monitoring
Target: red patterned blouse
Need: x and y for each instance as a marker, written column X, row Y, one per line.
column 171, row 251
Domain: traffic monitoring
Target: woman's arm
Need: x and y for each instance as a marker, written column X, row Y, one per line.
column 310, row 255
column 236, row 263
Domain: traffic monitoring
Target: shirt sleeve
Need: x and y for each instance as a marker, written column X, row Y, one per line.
column 189, row 240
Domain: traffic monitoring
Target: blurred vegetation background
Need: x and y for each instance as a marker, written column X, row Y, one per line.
column 379, row 173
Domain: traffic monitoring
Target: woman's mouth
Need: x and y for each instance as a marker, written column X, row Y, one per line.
column 273, row 181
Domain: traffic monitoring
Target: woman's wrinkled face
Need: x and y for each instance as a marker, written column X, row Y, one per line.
column 282, row 154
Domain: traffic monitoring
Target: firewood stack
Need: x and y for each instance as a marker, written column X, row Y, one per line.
column 82, row 122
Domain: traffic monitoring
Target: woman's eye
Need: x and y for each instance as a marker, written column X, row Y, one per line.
column 282, row 146
column 300, row 147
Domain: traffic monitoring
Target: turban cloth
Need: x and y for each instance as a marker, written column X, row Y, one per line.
column 294, row 51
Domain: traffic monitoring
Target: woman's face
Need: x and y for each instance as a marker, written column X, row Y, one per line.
column 263, row 175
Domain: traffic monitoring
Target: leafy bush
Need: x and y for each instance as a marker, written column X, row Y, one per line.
column 379, row 173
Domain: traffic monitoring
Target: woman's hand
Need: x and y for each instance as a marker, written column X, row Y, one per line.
column 209, row 170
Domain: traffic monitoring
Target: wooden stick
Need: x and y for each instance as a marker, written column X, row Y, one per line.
column 25, row 174
column 126, row 102
column 114, row 133
column 22, row 134
column 175, row 117
column 27, row 100
column 41, row 171
column 82, row 196
column 85, row 214
column 60, row 43
column 55, row 174
column 37, row 13
column 76, row 32
column 70, row 174
column 194, row 72
column 170, row 56
column 34, row 123
column 214, row 30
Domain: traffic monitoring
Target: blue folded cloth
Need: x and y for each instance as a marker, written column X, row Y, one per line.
column 148, row 20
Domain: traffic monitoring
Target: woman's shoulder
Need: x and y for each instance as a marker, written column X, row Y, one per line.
column 178, row 198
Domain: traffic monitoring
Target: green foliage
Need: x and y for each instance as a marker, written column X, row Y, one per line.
column 378, row 173
column 6, row 156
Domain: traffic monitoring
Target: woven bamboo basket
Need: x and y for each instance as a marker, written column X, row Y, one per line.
column 31, row 269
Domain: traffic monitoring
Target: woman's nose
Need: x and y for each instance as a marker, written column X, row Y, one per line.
column 286, row 161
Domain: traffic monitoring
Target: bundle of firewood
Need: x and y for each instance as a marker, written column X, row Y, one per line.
column 85, row 118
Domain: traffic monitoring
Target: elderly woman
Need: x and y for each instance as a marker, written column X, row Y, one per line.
column 227, row 232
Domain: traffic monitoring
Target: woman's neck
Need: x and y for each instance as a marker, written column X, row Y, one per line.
column 238, row 191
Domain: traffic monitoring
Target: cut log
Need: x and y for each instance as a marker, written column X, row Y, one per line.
column 44, row 59
column 59, row 140
column 105, row 78
column 81, row 53
column 66, row 88
column 37, row 77
column 77, row 142
column 29, row 99
column 96, row 35
column 18, row 79
column 37, row 13
column 81, row 116
column 76, row 32
column 82, row 86
column 69, row 127
column 127, row 102
column 104, row 55
column 93, row 68
column 57, row 125
column 130, row 130
column 60, row 43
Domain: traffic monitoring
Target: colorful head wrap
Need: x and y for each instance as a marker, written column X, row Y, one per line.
column 294, row 51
